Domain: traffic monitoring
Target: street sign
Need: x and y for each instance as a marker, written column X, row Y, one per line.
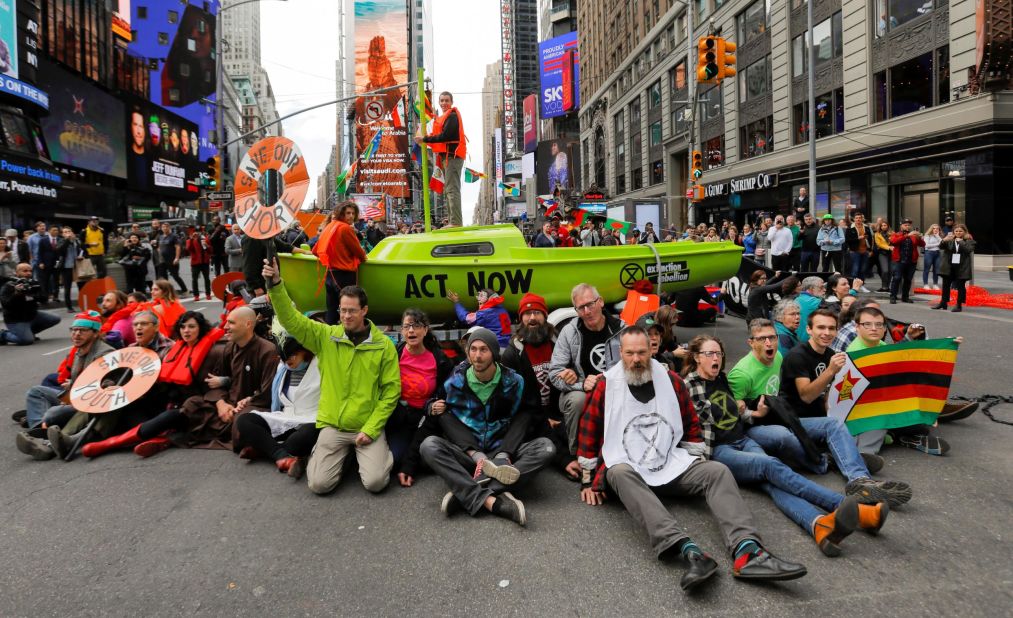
column 374, row 110
column 221, row 196
column 214, row 205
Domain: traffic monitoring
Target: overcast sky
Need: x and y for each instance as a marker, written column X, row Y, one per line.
column 299, row 49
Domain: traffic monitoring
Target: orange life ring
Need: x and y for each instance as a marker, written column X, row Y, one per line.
column 90, row 296
column 281, row 154
column 87, row 394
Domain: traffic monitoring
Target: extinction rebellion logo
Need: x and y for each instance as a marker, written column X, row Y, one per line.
column 671, row 272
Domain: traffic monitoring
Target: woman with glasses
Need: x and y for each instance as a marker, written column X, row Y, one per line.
column 424, row 368
column 829, row 517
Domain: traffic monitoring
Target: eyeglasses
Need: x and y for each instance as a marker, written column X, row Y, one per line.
column 345, row 311
column 587, row 306
column 77, row 330
column 711, row 354
column 144, row 323
column 871, row 325
column 413, row 326
column 765, row 338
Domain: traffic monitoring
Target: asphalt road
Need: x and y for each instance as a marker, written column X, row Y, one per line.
column 199, row 532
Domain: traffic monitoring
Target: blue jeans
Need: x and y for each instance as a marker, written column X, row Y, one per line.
column 38, row 400
column 859, row 264
column 931, row 261
column 824, row 430
column 810, row 262
column 797, row 497
column 23, row 333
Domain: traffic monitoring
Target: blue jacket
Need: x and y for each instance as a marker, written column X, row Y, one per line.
column 490, row 315
column 490, row 422
column 749, row 244
column 807, row 303
column 830, row 240
column 786, row 338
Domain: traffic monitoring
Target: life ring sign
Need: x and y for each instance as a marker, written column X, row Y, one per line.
column 115, row 380
column 282, row 155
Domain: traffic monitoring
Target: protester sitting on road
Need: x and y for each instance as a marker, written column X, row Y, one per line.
column 138, row 297
column 656, row 335
column 20, row 298
column 826, row 515
column 688, row 304
column 165, row 304
column 484, row 419
column 758, row 302
column 424, row 368
column 625, row 458
column 490, row 314
column 530, row 355
column 872, row 327
column 839, row 289
column 360, row 384
column 585, row 349
column 786, row 317
column 286, row 433
column 813, row 291
column 847, row 332
column 117, row 315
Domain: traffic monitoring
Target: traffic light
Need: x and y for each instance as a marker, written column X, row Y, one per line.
column 697, row 170
column 695, row 193
column 214, row 171
column 708, row 71
column 726, row 58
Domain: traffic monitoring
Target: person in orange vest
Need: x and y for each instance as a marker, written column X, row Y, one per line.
column 447, row 141
column 340, row 253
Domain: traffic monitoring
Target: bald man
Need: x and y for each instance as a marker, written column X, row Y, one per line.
column 241, row 380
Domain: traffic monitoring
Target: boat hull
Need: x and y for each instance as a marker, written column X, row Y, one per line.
column 394, row 285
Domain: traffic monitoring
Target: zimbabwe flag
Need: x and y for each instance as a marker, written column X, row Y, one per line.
column 893, row 385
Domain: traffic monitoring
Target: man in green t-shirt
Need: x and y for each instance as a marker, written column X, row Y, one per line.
column 871, row 327
column 759, row 372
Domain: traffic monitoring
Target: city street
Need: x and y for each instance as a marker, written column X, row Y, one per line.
column 202, row 532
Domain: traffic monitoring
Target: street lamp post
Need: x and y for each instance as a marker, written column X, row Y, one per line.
column 812, row 111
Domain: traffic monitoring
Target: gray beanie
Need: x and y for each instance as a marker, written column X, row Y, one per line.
column 489, row 338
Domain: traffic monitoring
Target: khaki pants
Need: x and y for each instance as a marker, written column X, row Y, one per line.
column 323, row 472
column 452, row 190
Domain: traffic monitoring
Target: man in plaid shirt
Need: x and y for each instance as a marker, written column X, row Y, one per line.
column 639, row 437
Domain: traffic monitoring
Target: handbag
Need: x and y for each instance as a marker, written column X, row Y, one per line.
column 84, row 269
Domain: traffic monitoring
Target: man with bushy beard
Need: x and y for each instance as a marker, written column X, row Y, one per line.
column 640, row 437
column 529, row 353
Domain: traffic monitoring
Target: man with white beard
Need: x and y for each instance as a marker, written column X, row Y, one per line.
column 639, row 438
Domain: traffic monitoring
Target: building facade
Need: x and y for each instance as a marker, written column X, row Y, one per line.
column 519, row 49
column 899, row 133
column 241, row 58
column 492, row 107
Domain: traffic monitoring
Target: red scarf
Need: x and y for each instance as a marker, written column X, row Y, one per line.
column 182, row 362
column 66, row 367
column 118, row 315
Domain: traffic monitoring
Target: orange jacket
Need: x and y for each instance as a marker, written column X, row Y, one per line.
column 182, row 362
column 445, row 142
column 338, row 247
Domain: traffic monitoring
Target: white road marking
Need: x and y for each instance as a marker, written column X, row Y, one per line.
column 57, row 351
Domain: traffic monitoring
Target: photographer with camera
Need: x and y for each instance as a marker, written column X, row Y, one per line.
column 19, row 298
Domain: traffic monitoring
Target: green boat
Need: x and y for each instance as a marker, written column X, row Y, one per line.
column 417, row 270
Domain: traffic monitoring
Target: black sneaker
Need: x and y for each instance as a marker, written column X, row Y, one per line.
column 868, row 491
column 40, row 450
column 701, row 568
column 509, row 507
column 764, row 565
column 19, row 416
column 450, row 504
column 874, row 463
column 926, row 443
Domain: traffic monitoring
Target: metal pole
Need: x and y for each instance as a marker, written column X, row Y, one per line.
column 425, row 155
column 691, row 77
column 219, row 115
column 812, row 111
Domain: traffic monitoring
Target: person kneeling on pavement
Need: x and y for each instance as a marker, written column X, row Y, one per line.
column 20, row 298
column 484, row 415
column 826, row 515
column 360, row 383
column 640, row 437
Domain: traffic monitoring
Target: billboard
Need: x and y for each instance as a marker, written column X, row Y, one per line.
column 162, row 152
column 8, row 39
column 556, row 162
column 84, row 127
column 530, row 123
column 381, row 60
column 507, row 66
column 177, row 38
column 559, row 75
column 121, row 20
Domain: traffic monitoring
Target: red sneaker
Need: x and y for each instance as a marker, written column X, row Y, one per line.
column 152, row 447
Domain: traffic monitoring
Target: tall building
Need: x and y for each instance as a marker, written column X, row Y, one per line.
column 492, row 106
column 519, row 50
column 901, row 129
column 556, row 18
column 241, row 58
column 421, row 18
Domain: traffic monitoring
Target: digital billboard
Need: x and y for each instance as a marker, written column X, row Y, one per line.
column 177, row 39
column 530, row 123
column 8, row 39
column 556, row 163
column 162, row 150
column 559, row 75
column 84, row 127
column 121, row 20
column 381, row 60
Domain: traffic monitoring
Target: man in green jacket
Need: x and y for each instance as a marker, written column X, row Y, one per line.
column 360, row 383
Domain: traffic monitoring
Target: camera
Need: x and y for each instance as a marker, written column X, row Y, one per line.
column 28, row 287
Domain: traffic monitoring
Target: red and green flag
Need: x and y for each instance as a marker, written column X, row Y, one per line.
column 624, row 227
column 342, row 179
column 471, row 175
column 893, row 386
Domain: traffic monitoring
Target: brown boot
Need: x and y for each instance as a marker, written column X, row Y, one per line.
column 124, row 440
column 871, row 517
column 832, row 528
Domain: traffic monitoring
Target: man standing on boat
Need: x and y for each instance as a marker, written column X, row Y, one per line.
column 448, row 142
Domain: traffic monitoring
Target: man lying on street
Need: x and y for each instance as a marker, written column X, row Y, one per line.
column 287, row 432
column 826, row 515
column 758, row 375
column 640, row 437
column 360, row 383
column 484, row 415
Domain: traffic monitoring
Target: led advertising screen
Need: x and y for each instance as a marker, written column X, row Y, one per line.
column 177, row 38
column 84, row 127
column 121, row 20
column 530, row 123
column 559, row 70
column 381, row 60
column 8, row 39
column 162, row 151
column 556, row 165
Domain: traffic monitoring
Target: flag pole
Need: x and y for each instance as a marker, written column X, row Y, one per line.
column 425, row 155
